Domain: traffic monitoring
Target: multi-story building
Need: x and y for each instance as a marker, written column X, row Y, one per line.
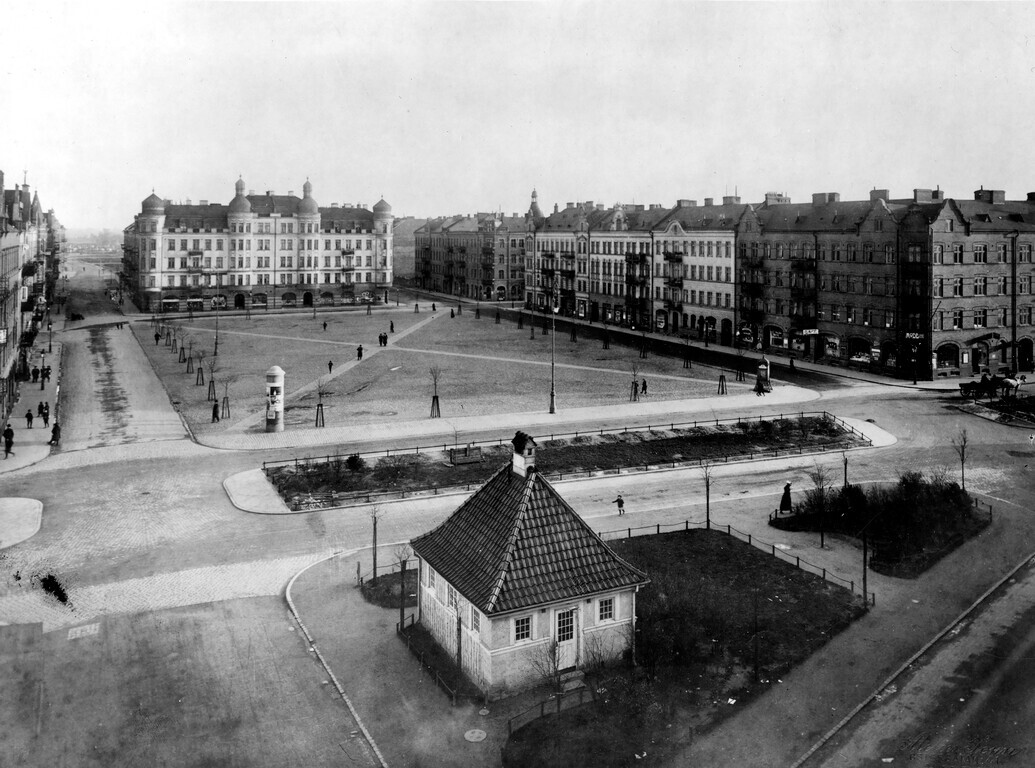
column 30, row 241
column 921, row 286
column 403, row 247
column 259, row 250
column 476, row 257
column 667, row 269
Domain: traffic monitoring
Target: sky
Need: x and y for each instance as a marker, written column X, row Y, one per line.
column 449, row 108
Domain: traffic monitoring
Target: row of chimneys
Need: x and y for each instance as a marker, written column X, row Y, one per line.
column 728, row 200
column 269, row 193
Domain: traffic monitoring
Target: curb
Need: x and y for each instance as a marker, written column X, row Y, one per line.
column 912, row 660
column 323, row 662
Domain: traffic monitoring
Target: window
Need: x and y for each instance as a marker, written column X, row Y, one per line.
column 957, row 253
column 914, row 254
column 980, row 286
column 1003, row 313
column 451, row 598
column 980, row 253
column 889, row 254
column 1000, row 253
column 1001, row 285
column 476, row 620
column 1024, row 253
column 957, row 286
column 957, row 319
column 1024, row 316
column 938, row 254
column 522, row 629
column 606, row 609
column 431, row 578
column 980, row 318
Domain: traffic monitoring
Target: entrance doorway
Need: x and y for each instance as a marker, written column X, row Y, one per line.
column 567, row 647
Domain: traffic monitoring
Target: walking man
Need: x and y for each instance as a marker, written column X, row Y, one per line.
column 55, row 434
column 35, row 373
column 643, row 387
column 46, row 414
column 39, row 409
column 359, row 352
column 325, row 325
column 8, row 441
column 785, row 500
column 158, row 338
column 621, row 504
column 391, row 326
column 28, row 419
column 215, row 412
column 330, row 366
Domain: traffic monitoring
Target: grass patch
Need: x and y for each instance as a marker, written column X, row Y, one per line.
column 585, row 453
column 384, row 590
column 714, row 605
column 910, row 525
column 441, row 664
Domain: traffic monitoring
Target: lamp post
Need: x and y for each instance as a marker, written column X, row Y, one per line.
column 50, row 341
column 43, row 367
column 914, row 348
column 553, row 351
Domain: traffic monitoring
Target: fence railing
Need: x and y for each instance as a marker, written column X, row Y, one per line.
column 557, row 703
column 400, row 630
column 671, row 426
column 765, row 546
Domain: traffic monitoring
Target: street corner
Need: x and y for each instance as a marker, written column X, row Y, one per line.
column 250, row 491
column 20, row 519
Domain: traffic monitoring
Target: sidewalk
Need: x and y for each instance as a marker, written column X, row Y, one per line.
column 409, row 717
column 31, row 445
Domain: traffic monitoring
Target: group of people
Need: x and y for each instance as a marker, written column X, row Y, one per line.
column 382, row 339
column 38, row 372
column 43, row 411
column 8, row 433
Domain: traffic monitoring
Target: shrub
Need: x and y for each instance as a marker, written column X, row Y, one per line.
column 355, row 463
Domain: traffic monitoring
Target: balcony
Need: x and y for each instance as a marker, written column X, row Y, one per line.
column 752, row 290
column 672, row 305
column 487, row 250
column 755, row 261
column 803, row 265
column 547, row 271
column 674, row 281
column 799, row 291
column 672, row 257
column 636, row 258
column 488, row 260
column 631, row 278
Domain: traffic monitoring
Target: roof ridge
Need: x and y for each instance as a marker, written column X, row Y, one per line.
column 508, row 552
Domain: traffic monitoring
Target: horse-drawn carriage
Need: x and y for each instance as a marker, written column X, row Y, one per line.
column 989, row 387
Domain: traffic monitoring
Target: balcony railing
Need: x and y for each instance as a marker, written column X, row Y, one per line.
column 636, row 258
column 674, row 281
column 673, row 257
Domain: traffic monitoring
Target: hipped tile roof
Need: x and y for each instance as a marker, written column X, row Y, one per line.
column 516, row 544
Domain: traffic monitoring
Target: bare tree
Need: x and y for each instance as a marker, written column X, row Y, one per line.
column 376, row 514
column 436, row 373
column 545, row 661
column 706, row 469
column 212, row 364
column 200, row 357
column 228, row 381
column 402, row 555
column 959, row 444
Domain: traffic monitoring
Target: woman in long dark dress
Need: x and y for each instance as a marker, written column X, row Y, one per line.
column 785, row 501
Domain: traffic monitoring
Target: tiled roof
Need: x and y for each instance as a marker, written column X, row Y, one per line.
column 997, row 217
column 832, row 217
column 517, row 544
column 694, row 217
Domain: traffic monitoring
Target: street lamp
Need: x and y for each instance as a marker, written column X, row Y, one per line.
column 914, row 347
column 50, row 341
column 43, row 367
column 553, row 351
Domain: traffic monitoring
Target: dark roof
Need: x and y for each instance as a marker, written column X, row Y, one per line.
column 691, row 217
column 1007, row 216
column 517, row 544
column 831, row 217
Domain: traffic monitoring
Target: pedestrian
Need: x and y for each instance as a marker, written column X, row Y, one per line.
column 643, row 387
column 39, row 409
column 55, row 434
column 46, row 416
column 433, row 307
column 325, row 325
column 621, row 504
column 35, row 373
column 391, row 326
column 785, row 500
column 359, row 352
column 451, row 312
column 8, row 440
column 28, row 418
column 158, row 338
column 792, row 362
column 330, row 366
column 759, row 387
column 215, row 412
column 46, row 373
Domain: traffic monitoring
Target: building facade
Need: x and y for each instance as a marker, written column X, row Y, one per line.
column 257, row 251
column 479, row 257
column 919, row 287
column 30, row 247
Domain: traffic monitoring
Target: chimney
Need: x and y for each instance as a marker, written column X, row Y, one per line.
column 822, row 198
column 878, row 194
column 523, row 462
column 924, row 196
column 334, row 205
column 709, row 200
column 188, row 201
column 938, row 195
column 993, row 196
column 600, row 206
column 569, row 205
column 686, row 203
column 589, row 205
column 291, row 192
column 202, row 202
column 251, row 191
column 555, row 208
column 1031, row 195
column 270, row 193
column 731, row 200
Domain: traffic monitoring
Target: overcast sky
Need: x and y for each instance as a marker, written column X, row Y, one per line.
column 446, row 108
